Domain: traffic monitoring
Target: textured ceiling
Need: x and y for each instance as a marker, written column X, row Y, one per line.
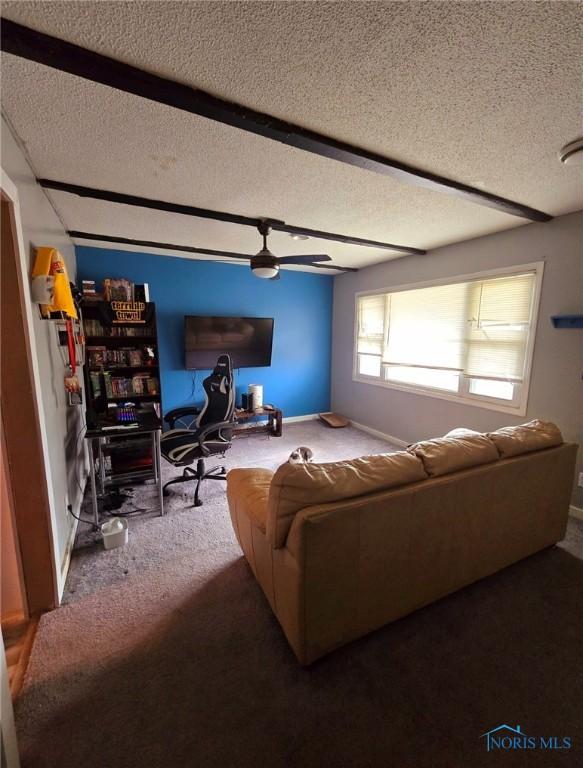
column 485, row 93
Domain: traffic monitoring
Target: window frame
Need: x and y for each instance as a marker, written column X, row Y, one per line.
column 463, row 396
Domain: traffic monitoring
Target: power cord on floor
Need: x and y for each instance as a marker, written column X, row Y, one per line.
column 76, row 473
column 81, row 431
column 127, row 513
column 117, row 498
column 80, row 519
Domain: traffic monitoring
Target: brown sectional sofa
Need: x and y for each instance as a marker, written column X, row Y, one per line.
column 340, row 549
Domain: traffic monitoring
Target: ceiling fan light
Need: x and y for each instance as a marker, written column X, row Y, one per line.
column 265, row 272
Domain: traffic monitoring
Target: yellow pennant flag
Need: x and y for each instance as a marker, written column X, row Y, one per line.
column 50, row 262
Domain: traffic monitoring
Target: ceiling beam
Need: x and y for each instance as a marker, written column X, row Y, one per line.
column 68, row 57
column 204, row 213
column 181, row 248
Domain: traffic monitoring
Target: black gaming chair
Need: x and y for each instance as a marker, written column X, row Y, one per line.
column 205, row 432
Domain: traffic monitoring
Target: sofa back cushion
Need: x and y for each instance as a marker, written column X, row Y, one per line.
column 533, row 436
column 450, row 454
column 462, row 432
column 295, row 486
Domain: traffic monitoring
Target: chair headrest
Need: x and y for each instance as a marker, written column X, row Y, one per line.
column 223, row 366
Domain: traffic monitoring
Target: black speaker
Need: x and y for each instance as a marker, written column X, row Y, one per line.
column 247, row 402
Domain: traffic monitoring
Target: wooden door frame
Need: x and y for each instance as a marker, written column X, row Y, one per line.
column 27, row 453
column 9, row 747
column 10, row 512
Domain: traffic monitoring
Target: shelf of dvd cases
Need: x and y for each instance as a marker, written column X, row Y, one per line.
column 121, row 357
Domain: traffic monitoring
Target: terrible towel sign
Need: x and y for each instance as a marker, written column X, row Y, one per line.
column 126, row 312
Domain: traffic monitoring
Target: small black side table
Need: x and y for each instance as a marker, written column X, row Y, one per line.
column 272, row 427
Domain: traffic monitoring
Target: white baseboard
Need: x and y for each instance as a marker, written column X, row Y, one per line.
column 576, row 512
column 67, row 557
column 382, row 435
column 66, row 561
column 293, row 419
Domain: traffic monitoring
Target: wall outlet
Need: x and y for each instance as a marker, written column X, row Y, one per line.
column 580, row 483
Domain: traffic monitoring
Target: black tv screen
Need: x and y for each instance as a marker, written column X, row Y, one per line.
column 247, row 340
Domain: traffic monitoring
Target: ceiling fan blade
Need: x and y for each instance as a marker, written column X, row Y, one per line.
column 231, row 255
column 304, row 259
column 216, row 261
column 334, row 266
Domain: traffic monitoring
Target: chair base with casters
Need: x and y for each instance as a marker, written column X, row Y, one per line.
column 204, row 432
column 199, row 474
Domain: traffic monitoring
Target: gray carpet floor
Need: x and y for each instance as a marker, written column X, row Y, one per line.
column 165, row 653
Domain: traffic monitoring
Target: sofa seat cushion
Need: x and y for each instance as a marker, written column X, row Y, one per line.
column 533, row 436
column 444, row 455
column 250, row 487
column 295, row 486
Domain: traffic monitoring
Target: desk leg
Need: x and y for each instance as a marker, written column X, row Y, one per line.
column 154, row 456
column 100, row 443
column 93, row 483
column 158, row 459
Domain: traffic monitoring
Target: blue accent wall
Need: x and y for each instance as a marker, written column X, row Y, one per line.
column 298, row 380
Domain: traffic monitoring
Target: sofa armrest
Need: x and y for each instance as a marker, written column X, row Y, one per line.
column 248, row 494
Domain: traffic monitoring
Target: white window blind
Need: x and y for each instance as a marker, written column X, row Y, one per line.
column 498, row 327
column 479, row 328
column 426, row 327
column 372, row 324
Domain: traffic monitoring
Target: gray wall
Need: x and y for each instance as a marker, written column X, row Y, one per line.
column 41, row 227
column 556, row 387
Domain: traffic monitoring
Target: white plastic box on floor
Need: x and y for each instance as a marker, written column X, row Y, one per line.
column 115, row 533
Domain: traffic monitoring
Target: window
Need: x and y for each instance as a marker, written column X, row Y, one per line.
column 468, row 340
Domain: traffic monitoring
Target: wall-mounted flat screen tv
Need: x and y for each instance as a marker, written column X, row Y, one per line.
column 248, row 340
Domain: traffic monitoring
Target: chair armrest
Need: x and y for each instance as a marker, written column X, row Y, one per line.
column 177, row 413
column 202, row 433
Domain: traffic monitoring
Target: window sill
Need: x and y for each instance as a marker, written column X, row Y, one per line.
column 476, row 402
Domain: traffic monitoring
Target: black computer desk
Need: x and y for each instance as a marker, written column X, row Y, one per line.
column 100, row 436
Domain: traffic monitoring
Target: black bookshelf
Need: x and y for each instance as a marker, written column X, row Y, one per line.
column 120, row 340
column 121, row 356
